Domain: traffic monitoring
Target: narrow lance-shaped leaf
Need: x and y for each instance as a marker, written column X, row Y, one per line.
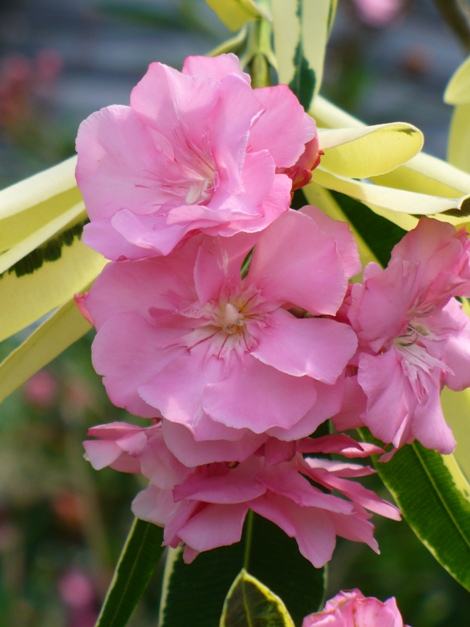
column 249, row 602
column 137, row 563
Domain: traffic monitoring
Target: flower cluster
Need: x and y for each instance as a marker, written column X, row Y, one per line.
column 350, row 608
column 228, row 320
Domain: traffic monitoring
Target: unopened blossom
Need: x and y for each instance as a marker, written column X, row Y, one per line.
column 188, row 336
column 204, row 506
column 197, row 150
column 350, row 608
column 414, row 337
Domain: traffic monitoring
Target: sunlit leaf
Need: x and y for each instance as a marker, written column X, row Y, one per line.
column 235, row 13
column 391, row 202
column 362, row 152
column 458, row 89
column 423, row 174
column 50, row 339
column 27, row 298
column 41, row 234
column 249, row 602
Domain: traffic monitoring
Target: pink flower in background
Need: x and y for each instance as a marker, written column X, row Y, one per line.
column 378, row 12
column 197, row 150
column 414, row 337
column 41, row 390
column 204, row 506
column 78, row 595
column 220, row 353
column 351, row 608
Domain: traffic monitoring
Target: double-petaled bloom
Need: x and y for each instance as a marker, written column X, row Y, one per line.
column 188, row 337
column 202, row 501
column 197, row 150
column 350, row 608
column 414, row 337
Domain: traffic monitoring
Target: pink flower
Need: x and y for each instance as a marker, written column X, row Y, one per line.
column 378, row 12
column 197, row 150
column 220, row 353
column 204, row 506
column 351, row 608
column 414, row 337
column 42, row 390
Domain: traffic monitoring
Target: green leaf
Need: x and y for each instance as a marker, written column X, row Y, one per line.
column 193, row 594
column 235, row 13
column 301, row 30
column 27, row 298
column 50, row 339
column 435, row 502
column 363, row 152
column 250, row 603
column 137, row 563
column 423, row 174
column 396, row 205
column 458, row 89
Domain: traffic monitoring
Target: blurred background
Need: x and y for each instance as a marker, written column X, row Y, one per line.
column 61, row 524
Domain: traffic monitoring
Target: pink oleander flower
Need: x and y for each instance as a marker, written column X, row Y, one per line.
column 197, row 150
column 186, row 335
column 351, row 608
column 414, row 337
column 204, row 506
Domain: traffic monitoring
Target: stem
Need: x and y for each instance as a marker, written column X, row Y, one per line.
column 457, row 18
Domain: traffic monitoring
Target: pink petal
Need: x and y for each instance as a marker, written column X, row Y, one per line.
column 193, row 453
column 115, row 151
column 342, row 235
column 257, row 397
column 177, row 390
column 237, row 485
column 294, row 263
column 213, row 526
column 214, row 67
column 313, row 347
column 312, row 528
column 390, row 402
column 284, row 128
column 153, row 505
column 126, row 354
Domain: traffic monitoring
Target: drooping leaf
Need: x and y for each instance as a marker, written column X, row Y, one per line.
column 301, row 30
column 137, row 563
column 363, row 152
column 194, row 593
column 249, row 602
column 423, row 174
column 50, row 339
